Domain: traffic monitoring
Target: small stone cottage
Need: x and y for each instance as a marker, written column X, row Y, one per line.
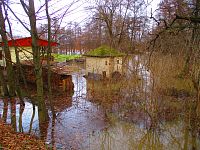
column 103, row 62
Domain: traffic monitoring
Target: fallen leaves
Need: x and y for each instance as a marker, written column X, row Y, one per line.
column 11, row 140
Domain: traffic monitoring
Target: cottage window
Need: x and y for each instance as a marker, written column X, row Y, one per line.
column 1, row 54
column 106, row 62
column 118, row 61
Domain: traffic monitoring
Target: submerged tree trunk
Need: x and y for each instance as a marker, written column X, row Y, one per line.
column 21, row 110
column 5, row 109
column 32, row 118
column 37, row 65
column 43, row 115
column 13, row 113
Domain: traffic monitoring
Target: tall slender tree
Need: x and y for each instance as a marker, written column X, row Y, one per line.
column 9, row 67
column 30, row 10
column 18, row 69
column 49, row 50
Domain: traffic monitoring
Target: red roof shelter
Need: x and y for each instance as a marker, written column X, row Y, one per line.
column 27, row 42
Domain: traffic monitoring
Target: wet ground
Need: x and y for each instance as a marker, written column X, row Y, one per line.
column 108, row 115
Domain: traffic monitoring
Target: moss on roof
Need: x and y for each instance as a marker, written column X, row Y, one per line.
column 104, row 51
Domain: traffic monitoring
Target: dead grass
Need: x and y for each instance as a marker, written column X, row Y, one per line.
column 166, row 71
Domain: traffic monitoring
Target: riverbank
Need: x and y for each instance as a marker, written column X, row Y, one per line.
column 11, row 140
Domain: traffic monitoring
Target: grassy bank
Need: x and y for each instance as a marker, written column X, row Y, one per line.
column 62, row 57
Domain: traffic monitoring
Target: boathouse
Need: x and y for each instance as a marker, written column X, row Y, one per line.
column 24, row 47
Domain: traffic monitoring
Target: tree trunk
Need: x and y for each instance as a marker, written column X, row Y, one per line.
column 43, row 116
column 18, row 65
column 9, row 67
column 3, row 83
column 49, row 58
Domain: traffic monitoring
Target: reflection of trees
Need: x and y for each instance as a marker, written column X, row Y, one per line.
column 130, row 136
column 126, row 136
column 43, row 126
column 5, row 109
column 13, row 113
column 104, row 92
column 53, row 131
column 21, row 110
column 190, row 125
column 144, row 100
column 150, row 141
column 106, row 140
column 62, row 101
column 32, row 118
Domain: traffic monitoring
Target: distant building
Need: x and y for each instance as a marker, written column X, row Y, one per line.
column 103, row 62
column 24, row 46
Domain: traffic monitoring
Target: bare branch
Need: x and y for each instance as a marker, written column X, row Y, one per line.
column 18, row 18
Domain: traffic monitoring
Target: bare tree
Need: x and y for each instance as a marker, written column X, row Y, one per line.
column 183, row 23
column 49, row 50
column 121, row 24
column 30, row 11
column 9, row 67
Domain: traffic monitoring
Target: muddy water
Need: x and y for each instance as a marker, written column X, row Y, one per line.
column 108, row 115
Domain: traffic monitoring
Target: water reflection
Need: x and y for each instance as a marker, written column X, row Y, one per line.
column 13, row 113
column 128, row 136
column 75, row 117
column 73, row 125
column 4, row 105
column 32, row 118
column 110, row 115
column 19, row 116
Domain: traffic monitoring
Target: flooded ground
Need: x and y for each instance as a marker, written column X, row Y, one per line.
column 111, row 115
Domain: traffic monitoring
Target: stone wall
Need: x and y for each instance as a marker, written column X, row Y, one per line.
column 102, row 66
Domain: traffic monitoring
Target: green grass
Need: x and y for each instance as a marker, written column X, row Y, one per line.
column 62, row 57
column 104, row 51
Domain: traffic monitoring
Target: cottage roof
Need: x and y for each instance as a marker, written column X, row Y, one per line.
column 27, row 42
column 104, row 51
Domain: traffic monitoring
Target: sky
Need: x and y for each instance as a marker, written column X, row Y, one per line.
column 75, row 12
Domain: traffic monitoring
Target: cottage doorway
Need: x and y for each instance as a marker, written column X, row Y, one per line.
column 104, row 74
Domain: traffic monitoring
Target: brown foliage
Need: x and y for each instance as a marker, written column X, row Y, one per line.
column 11, row 140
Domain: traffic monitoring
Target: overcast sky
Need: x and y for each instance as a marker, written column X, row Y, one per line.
column 74, row 13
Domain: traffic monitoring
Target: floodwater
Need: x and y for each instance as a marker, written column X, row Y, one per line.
column 110, row 115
